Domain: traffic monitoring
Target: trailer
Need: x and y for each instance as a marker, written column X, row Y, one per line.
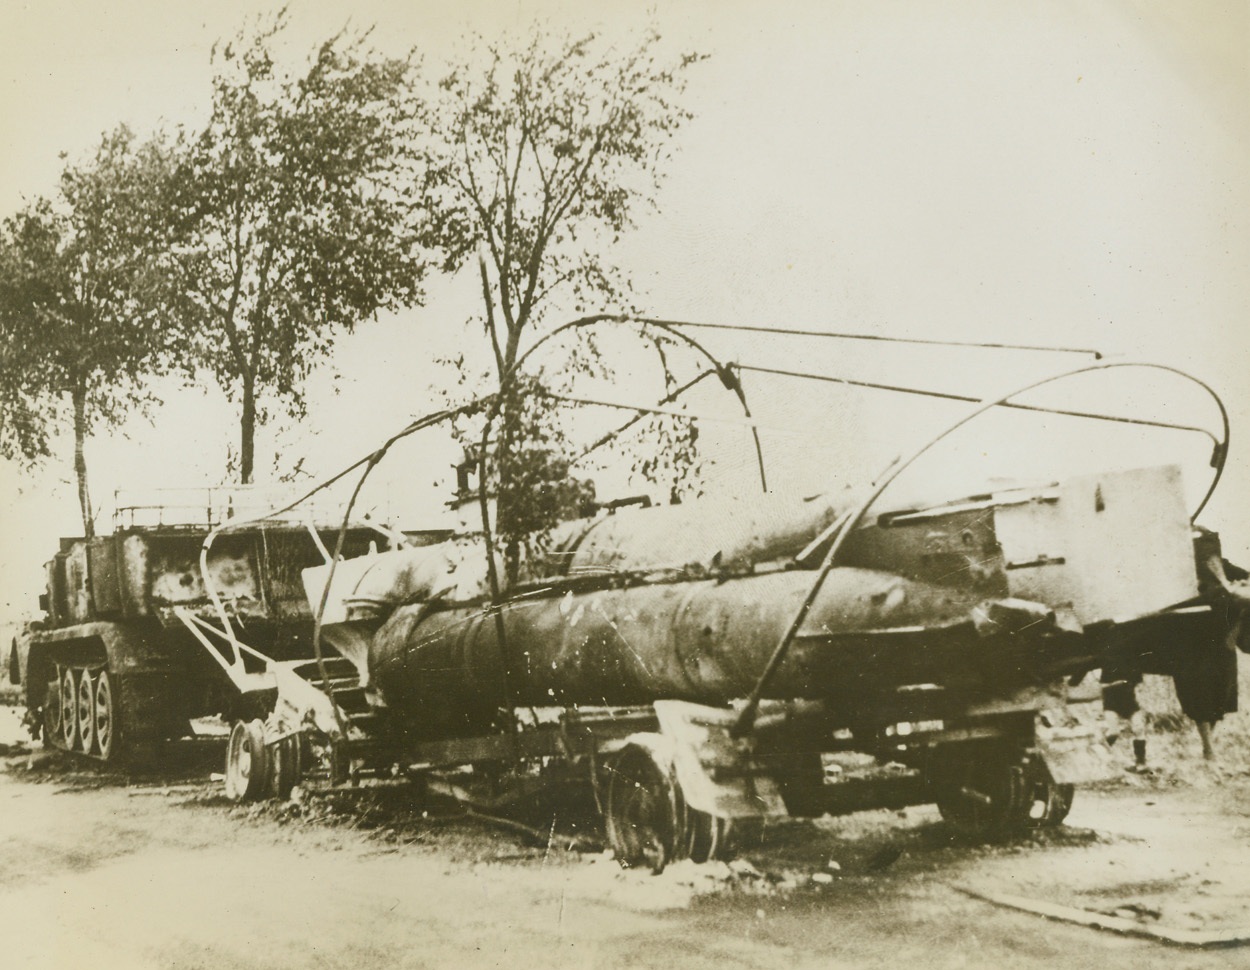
column 940, row 653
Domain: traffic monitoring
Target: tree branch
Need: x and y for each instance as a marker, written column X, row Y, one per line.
column 492, row 329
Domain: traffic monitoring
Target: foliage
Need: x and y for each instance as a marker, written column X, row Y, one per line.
column 296, row 213
column 533, row 475
column 76, row 288
column 25, row 409
column 540, row 161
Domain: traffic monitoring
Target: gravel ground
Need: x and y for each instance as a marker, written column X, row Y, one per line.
column 156, row 869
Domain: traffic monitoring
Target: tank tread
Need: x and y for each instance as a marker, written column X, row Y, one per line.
column 90, row 711
column 69, row 720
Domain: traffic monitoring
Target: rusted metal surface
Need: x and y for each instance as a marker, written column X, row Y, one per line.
column 750, row 637
column 370, row 587
column 112, row 604
column 702, row 641
column 724, row 535
column 1079, row 545
column 146, row 573
column 946, row 615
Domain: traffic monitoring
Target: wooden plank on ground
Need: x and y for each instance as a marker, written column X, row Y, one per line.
column 1199, row 939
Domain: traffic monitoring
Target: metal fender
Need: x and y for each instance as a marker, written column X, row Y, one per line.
column 715, row 772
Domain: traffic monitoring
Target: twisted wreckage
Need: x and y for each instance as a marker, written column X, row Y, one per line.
column 706, row 665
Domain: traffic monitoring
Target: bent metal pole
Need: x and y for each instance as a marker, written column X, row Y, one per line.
column 746, row 718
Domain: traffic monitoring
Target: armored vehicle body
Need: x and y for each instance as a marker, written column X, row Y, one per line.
column 111, row 666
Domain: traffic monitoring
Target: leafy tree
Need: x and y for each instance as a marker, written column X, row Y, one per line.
column 540, row 162
column 296, row 214
column 76, row 302
column 24, row 415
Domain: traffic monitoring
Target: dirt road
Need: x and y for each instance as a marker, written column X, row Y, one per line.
column 102, row 870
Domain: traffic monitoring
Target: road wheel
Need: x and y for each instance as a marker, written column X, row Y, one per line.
column 645, row 812
column 51, row 715
column 706, row 836
column 69, row 710
column 983, row 795
column 107, row 722
column 285, row 767
column 341, row 763
column 247, row 762
column 85, row 711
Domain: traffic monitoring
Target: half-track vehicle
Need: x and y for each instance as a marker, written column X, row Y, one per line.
column 110, row 666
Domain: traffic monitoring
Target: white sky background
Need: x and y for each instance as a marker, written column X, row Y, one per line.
column 1062, row 174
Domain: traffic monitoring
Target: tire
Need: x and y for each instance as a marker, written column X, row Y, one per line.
column 645, row 814
column 706, row 836
column 649, row 824
column 247, row 762
column 1058, row 804
column 983, row 796
column 285, row 767
column 1047, row 802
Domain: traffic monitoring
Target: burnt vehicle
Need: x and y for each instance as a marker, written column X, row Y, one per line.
column 708, row 666
column 704, row 667
column 110, row 667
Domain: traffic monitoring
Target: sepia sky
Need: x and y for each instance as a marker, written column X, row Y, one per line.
column 1060, row 173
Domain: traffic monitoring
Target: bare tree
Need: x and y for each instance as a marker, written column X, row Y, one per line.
column 541, row 160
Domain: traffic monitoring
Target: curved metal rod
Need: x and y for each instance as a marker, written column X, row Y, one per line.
column 950, row 396
column 723, row 371
column 668, row 398
column 882, row 338
column 371, row 461
column 325, row 590
column 673, row 412
column 746, row 719
column 492, row 572
column 425, row 421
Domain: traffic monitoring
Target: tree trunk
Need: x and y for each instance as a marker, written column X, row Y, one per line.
column 505, row 514
column 247, row 445
column 80, row 460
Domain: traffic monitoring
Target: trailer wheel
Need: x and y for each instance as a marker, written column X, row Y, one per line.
column 1055, row 802
column 1046, row 803
column 51, row 715
column 984, row 796
column 247, row 762
column 710, row 837
column 706, row 836
column 69, row 710
column 284, row 768
column 645, row 811
column 1061, row 797
column 107, row 721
